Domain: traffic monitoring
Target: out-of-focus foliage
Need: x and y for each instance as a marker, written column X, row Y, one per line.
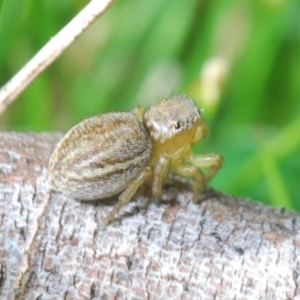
column 239, row 59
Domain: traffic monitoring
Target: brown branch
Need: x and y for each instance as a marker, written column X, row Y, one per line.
column 51, row 51
column 54, row 247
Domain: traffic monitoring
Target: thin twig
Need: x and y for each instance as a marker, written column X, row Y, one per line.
column 51, row 51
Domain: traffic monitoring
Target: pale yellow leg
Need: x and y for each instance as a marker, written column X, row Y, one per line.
column 213, row 162
column 160, row 172
column 128, row 193
column 199, row 179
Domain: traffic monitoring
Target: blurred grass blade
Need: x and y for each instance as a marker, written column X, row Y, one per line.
column 278, row 192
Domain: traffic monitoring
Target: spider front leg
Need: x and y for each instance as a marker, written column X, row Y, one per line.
column 160, row 172
column 213, row 162
column 191, row 171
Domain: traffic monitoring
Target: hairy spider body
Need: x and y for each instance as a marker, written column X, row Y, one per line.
column 118, row 152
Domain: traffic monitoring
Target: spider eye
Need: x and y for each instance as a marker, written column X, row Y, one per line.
column 177, row 125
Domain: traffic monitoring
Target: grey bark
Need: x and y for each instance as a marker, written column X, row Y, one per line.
column 53, row 247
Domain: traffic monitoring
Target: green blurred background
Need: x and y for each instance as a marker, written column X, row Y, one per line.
column 239, row 59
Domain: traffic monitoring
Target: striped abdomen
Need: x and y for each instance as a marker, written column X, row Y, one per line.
column 100, row 156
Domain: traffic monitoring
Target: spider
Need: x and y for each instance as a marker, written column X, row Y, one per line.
column 118, row 152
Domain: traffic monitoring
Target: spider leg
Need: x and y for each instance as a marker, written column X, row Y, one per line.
column 198, row 176
column 160, row 171
column 213, row 162
column 128, row 193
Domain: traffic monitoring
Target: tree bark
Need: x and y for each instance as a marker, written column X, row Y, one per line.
column 54, row 247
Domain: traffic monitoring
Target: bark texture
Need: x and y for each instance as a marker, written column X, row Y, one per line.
column 53, row 247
